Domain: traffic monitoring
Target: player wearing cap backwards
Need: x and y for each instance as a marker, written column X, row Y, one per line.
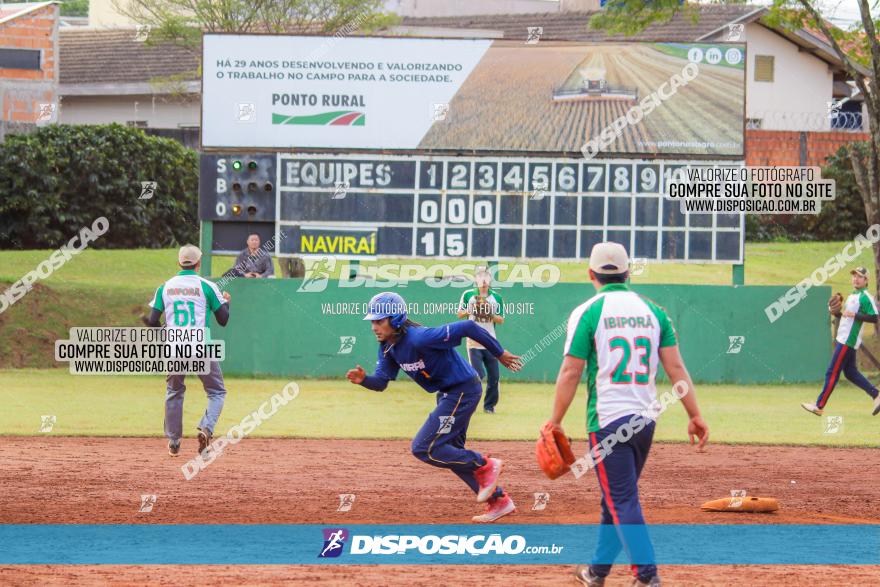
column 620, row 337
column 858, row 309
column 429, row 357
column 186, row 299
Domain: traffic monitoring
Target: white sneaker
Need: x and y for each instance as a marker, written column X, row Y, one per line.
column 876, row 405
column 812, row 408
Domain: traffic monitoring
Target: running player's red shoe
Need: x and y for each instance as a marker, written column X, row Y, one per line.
column 487, row 477
column 496, row 508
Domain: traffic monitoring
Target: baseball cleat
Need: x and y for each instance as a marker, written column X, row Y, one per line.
column 812, row 408
column 876, row 405
column 652, row 582
column 584, row 574
column 487, row 477
column 204, row 440
column 173, row 449
column 497, row 507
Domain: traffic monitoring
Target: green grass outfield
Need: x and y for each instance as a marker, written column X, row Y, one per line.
column 141, row 271
column 133, row 406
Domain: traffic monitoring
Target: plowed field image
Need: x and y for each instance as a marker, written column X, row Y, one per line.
column 512, row 101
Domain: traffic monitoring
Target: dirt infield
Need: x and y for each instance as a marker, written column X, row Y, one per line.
column 91, row 480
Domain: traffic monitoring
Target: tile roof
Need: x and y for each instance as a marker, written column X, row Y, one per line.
column 92, row 56
column 104, row 56
column 574, row 26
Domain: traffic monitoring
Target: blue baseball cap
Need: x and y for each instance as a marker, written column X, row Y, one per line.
column 387, row 305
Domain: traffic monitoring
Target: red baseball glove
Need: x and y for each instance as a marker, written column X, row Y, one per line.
column 553, row 450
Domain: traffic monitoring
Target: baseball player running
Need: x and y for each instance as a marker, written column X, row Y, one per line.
column 484, row 306
column 619, row 336
column 858, row 309
column 429, row 357
column 185, row 299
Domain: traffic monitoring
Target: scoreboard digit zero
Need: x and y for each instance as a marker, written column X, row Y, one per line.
column 355, row 206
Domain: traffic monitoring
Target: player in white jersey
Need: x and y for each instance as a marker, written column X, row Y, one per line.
column 185, row 300
column 484, row 306
column 620, row 337
column 858, row 309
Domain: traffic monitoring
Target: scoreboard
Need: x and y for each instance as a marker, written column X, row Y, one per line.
column 494, row 208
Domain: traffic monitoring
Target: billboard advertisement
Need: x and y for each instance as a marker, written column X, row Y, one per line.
column 473, row 95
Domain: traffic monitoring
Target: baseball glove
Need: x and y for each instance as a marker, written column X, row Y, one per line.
column 835, row 304
column 553, row 450
column 482, row 310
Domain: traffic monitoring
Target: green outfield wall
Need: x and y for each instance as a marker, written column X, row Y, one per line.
column 279, row 330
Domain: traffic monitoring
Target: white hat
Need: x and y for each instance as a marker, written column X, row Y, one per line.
column 609, row 258
column 189, row 255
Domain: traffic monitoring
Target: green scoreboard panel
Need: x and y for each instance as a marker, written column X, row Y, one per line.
column 354, row 206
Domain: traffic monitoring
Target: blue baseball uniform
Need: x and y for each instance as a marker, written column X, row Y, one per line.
column 429, row 357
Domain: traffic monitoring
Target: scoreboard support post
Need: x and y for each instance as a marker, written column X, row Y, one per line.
column 206, row 236
column 739, row 274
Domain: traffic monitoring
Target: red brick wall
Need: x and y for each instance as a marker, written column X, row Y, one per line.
column 771, row 147
column 20, row 100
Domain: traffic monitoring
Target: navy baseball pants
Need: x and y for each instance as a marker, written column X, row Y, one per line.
column 440, row 442
column 479, row 358
column 623, row 526
column 843, row 360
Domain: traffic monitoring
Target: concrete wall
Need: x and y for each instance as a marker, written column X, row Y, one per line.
column 797, row 98
column 424, row 8
column 102, row 13
column 23, row 91
column 157, row 110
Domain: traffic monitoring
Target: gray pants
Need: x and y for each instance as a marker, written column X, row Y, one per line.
column 213, row 384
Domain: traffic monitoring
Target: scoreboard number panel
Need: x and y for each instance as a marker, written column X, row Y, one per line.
column 500, row 207
column 452, row 207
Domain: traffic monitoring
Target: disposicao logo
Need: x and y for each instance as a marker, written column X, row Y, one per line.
column 333, row 118
column 334, row 541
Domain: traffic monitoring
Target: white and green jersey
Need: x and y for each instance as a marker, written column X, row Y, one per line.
column 850, row 330
column 469, row 302
column 186, row 299
column 618, row 333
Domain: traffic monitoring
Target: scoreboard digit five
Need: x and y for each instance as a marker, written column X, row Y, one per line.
column 465, row 207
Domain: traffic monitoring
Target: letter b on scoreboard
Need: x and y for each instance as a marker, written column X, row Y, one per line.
column 237, row 188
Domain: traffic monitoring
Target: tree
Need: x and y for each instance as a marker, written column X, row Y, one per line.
column 75, row 8
column 858, row 49
column 65, row 176
column 182, row 22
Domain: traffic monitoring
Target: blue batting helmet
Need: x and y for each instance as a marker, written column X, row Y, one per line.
column 387, row 305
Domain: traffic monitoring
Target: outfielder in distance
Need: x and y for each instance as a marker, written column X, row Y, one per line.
column 620, row 337
column 858, row 309
column 429, row 357
column 186, row 299
column 485, row 307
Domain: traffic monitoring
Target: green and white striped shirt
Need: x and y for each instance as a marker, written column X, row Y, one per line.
column 618, row 333
column 469, row 302
column 186, row 299
column 850, row 330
